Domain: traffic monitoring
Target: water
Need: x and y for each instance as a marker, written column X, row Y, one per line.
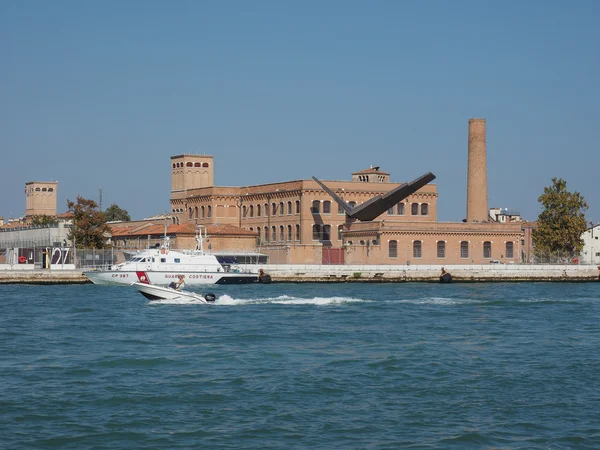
column 302, row 366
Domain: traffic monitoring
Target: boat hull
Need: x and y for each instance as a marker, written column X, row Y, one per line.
column 165, row 278
column 152, row 292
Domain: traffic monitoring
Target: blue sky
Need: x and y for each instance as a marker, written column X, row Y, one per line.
column 100, row 94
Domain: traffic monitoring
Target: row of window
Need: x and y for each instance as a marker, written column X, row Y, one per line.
column 288, row 233
column 320, row 232
column 37, row 189
column 290, row 208
column 417, row 249
column 189, row 164
column 415, row 209
column 324, row 207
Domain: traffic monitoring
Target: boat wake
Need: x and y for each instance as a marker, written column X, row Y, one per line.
column 226, row 300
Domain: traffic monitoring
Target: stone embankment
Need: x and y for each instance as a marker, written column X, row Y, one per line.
column 431, row 273
column 43, row 277
column 361, row 274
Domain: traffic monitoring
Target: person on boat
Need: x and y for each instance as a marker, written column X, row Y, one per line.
column 444, row 271
column 177, row 285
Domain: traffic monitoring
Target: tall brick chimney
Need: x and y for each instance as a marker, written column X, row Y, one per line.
column 477, row 199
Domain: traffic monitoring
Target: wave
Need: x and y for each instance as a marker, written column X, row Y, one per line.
column 226, row 300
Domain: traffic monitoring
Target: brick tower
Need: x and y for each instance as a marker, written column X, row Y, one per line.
column 40, row 198
column 477, row 191
column 190, row 172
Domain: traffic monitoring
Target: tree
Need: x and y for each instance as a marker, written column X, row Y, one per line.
column 89, row 228
column 116, row 214
column 562, row 221
column 42, row 220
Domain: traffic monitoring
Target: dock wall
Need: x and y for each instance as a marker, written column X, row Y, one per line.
column 359, row 273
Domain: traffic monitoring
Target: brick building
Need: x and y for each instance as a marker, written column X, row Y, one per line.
column 299, row 222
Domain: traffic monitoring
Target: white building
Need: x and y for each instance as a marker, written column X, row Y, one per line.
column 590, row 254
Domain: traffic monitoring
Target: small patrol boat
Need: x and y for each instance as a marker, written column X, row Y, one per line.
column 153, row 292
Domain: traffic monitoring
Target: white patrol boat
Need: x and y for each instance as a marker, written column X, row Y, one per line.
column 162, row 265
column 152, row 292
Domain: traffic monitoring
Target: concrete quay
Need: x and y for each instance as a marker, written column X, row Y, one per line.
column 431, row 273
column 362, row 274
column 43, row 277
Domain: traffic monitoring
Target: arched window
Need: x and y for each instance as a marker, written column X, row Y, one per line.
column 197, row 164
column 196, row 212
column 244, row 211
column 274, row 210
column 289, row 209
column 191, row 212
column 464, row 249
column 189, row 164
column 424, row 209
column 510, row 250
column 44, row 189
column 204, row 164
column 251, row 208
column 400, row 209
column 174, row 165
column 266, row 209
column 393, row 249
column 340, row 229
column 259, row 233
column 267, row 234
column 326, row 207
column 281, row 211
column 289, row 232
column 298, row 232
column 258, row 212
column 297, row 206
column 50, row 189
column 326, row 232
column 417, row 249
column 414, row 209
column 281, row 233
column 274, row 233
column 209, row 212
column 316, row 207
column 391, row 211
column 487, row 249
column 441, row 249
column 316, row 232
column 202, row 212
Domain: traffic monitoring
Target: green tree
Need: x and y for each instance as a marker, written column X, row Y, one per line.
column 562, row 221
column 116, row 214
column 42, row 220
column 89, row 228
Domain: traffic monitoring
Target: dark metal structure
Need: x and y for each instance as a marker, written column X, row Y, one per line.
column 379, row 204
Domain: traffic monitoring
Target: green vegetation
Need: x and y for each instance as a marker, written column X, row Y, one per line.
column 562, row 221
column 89, row 228
column 43, row 220
column 116, row 214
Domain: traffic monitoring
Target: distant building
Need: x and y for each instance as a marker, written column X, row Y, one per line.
column 590, row 254
column 40, row 198
column 505, row 215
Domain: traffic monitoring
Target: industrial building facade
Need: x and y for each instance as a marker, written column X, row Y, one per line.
column 299, row 222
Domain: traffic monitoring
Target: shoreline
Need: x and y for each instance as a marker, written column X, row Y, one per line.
column 361, row 274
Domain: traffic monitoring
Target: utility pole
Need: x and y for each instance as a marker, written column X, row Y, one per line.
column 100, row 199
